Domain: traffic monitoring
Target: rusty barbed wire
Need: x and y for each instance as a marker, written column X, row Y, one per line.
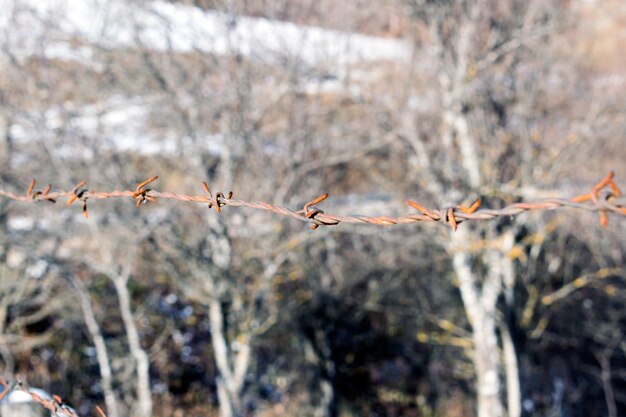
column 51, row 402
column 604, row 198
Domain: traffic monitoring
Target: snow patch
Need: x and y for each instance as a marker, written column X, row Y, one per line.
column 164, row 26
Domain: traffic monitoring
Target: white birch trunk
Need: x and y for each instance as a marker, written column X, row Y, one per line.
column 510, row 362
column 232, row 366
column 102, row 354
column 511, row 371
column 480, row 306
column 142, row 362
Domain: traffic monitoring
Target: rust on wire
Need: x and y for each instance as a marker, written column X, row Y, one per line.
column 430, row 214
column 39, row 195
column 450, row 213
column 80, row 193
column 594, row 196
column 217, row 200
column 60, row 405
column 7, row 387
column 43, row 195
column 470, row 209
column 100, row 412
column 142, row 194
column 311, row 212
column 53, row 403
column 29, row 191
column 451, row 219
column 604, row 198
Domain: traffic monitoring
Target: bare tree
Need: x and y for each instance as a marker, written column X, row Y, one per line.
column 486, row 104
column 471, row 51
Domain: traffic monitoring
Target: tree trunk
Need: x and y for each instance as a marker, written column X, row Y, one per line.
column 142, row 363
column 232, row 366
column 480, row 307
column 511, row 371
column 510, row 362
column 102, row 354
column 228, row 407
column 316, row 354
column 486, row 366
column 327, row 406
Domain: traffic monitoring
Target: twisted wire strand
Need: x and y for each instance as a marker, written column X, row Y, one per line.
column 600, row 200
column 51, row 402
column 604, row 198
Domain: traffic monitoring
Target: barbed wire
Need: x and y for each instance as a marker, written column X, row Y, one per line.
column 605, row 197
column 51, row 402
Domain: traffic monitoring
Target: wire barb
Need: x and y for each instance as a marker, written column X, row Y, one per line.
column 430, row 214
column 471, row 209
column 50, row 402
column 141, row 193
column 310, row 212
column 218, row 200
column 39, row 195
column 8, row 387
column 453, row 221
column 80, row 193
column 29, row 191
column 594, row 196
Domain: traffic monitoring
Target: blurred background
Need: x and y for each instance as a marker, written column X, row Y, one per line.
column 172, row 310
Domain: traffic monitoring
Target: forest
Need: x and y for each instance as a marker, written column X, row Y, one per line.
column 145, row 304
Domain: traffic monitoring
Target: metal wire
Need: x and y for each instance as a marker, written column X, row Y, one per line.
column 604, row 198
column 51, row 402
